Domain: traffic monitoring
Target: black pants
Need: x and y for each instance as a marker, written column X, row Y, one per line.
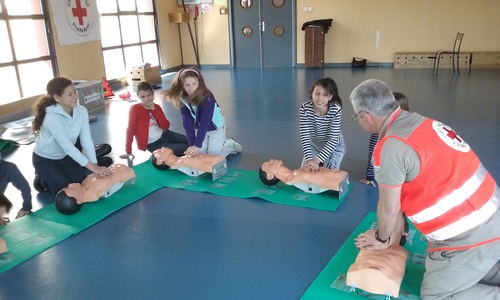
column 58, row 173
column 173, row 140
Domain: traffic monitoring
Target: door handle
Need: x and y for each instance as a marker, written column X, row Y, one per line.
column 263, row 26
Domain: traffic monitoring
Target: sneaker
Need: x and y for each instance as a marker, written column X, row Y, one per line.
column 231, row 143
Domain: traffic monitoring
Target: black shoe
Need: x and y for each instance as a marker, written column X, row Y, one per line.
column 101, row 150
column 39, row 185
column 104, row 161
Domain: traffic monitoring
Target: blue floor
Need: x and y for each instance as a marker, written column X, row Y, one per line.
column 176, row 244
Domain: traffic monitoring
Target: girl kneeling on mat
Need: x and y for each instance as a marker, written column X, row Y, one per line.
column 59, row 123
column 202, row 118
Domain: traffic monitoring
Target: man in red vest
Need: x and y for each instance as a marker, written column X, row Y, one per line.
column 427, row 171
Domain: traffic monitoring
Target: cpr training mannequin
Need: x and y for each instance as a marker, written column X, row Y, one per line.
column 380, row 271
column 324, row 178
column 200, row 162
column 70, row 199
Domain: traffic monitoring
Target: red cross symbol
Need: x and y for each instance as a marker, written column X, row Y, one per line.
column 79, row 12
column 452, row 134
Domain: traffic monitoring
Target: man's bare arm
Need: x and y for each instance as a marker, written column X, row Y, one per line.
column 388, row 212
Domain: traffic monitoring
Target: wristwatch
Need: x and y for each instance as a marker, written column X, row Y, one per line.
column 377, row 237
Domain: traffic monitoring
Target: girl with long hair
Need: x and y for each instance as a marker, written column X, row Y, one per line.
column 59, row 123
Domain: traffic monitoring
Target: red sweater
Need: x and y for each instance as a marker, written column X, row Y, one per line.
column 138, row 125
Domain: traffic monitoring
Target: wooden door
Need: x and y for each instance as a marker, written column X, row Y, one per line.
column 314, row 46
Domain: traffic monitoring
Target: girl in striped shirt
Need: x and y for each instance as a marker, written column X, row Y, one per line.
column 320, row 118
column 370, row 174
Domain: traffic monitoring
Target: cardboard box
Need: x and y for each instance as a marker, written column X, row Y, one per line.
column 151, row 75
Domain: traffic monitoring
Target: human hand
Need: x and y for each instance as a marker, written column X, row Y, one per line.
column 103, row 172
column 150, row 105
column 127, row 156
column 98, row 170
column 4, row 221
column 368, row 182
column 313, row 165
column 22, row 213
column 192, row 151
column 368, row 240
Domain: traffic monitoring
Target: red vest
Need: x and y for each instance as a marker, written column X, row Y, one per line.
column 453, row 191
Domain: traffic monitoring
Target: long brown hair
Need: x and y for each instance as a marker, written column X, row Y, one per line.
column 176, row 91
column 331, row 87
column 55, row 86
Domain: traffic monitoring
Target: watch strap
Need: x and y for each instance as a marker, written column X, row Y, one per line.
column 378, row 238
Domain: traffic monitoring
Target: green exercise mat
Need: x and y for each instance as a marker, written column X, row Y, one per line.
column 93, row 212
column 241, row 184
column 42, row 229
column 32, row 234
column 28, row 236
column 6, row 145
column 330, row 283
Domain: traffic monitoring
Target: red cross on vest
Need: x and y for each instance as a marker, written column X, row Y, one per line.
column 79, row 12
column 452, row 134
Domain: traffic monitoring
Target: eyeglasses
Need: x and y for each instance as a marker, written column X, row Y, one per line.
column 355, row 116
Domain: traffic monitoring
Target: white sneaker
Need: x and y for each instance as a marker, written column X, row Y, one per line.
column 231, row 143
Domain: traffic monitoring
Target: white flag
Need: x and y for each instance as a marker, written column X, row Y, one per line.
column 77, row 21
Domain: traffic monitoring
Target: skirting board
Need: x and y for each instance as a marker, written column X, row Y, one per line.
column 480, row 59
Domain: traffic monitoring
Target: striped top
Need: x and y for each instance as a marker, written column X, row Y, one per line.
column 320, row 132
column 370, row 174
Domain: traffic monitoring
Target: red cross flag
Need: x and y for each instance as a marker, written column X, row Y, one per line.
column 76, row 21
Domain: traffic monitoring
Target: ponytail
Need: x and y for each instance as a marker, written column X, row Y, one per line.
column 39, row 111
column 55, row 86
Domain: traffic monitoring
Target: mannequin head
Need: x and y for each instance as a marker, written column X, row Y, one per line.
column 271, row 168
column 159, row 158
column 65, row 204
column 158, row 164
